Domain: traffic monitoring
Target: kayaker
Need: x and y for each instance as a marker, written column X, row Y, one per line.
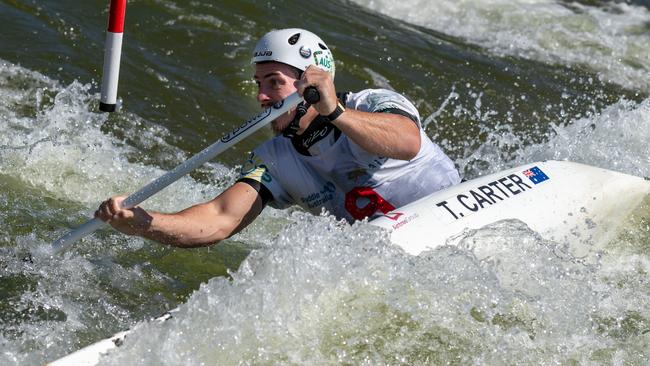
column 353, row 155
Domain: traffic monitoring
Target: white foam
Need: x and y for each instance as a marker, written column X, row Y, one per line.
column 61, row 149
column 616, row 138
column 327, row 293
column 611, row 40
column 51, row 141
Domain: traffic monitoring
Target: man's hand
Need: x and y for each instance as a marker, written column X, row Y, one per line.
column 133, row 221
column 322, row 81
column 199, row 225
column 383, row 134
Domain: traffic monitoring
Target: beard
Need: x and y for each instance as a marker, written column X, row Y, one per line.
column 279, row 124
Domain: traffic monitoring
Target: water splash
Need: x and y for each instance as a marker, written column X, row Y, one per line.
column 58, row 159
column 614, row 139
column 59, row 146
column 324, row 292
column 611, row 38
column 315, row 291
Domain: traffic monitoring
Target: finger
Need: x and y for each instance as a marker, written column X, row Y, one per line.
column 101, row 212
column 123, row 214
column 315, row 74
column 311, row 69
column 300, row 86
column 105, row 211
column 115, row 204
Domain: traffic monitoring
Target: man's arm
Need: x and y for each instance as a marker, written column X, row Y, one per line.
column 385, row 134
column 200, row 225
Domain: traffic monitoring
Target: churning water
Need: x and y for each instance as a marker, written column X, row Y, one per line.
column 498, row 83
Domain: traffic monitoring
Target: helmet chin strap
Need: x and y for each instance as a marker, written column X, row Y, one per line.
column 292, row 128
column 310, row 96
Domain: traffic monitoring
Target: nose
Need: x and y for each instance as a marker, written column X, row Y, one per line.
column 263, row 97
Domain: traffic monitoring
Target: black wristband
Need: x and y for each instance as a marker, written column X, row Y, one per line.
column 337, row 112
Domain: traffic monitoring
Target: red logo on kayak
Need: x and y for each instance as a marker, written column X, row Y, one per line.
column 394, row 215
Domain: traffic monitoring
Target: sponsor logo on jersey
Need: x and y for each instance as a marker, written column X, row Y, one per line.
column 255, row 169
column 316, row 199
column 355, row 175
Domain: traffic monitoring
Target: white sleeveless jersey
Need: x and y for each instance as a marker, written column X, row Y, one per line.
column 344, row 179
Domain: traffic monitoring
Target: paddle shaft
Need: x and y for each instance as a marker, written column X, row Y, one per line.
column 194, row 162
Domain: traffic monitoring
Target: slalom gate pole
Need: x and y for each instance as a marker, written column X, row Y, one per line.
column 112, row 55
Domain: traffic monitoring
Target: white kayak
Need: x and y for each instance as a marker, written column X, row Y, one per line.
column 562, row 201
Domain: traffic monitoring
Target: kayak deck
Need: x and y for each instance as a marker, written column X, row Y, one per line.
column 562, row 201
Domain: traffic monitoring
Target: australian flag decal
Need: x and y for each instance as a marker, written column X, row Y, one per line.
column 536, row 175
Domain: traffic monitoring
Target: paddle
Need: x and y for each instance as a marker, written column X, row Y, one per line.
column 311, row 96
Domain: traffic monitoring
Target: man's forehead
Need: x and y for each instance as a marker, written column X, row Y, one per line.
column 266, row 69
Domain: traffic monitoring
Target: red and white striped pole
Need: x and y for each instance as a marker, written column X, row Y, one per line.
column 112, row 54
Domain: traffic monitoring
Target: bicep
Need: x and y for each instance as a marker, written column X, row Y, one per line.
column 227, row 214
column 401, row 121
column 383, row 134
column 239, row 205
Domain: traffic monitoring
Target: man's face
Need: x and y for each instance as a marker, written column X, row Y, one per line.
column 274, row 83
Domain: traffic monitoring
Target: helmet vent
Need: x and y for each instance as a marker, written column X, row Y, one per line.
column 322, row 46
column 294, row 39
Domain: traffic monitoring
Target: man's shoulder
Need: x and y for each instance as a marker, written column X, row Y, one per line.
column 371, row 93
column 274, row 148
column 377, row 100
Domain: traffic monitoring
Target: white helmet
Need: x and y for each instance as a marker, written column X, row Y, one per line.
column 295, row 47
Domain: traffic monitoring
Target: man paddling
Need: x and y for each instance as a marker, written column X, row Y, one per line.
column 355, row 155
